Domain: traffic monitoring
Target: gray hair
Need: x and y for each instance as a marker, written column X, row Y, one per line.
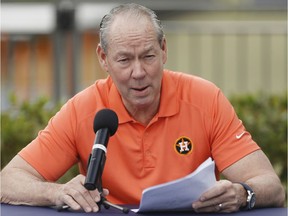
column 131, row 8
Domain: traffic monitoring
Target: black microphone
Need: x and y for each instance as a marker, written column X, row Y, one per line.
column 105, row 125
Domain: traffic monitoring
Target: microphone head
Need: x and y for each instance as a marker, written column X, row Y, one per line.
column 106, row 118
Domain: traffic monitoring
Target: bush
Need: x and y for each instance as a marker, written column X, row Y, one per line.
column 265, row 117
column 21, row 124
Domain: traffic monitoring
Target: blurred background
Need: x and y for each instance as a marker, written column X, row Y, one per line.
column 48, row 51
column 48, row 47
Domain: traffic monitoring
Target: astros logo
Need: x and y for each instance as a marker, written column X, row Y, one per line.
column 183, row 146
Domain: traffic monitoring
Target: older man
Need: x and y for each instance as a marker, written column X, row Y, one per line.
column 157, row 109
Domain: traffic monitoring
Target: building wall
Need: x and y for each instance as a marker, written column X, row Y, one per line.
column 241, row 52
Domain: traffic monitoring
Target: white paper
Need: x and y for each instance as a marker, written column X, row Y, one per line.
column 178, row 195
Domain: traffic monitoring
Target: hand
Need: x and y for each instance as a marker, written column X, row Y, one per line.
column 223, row 197
column 77, row 197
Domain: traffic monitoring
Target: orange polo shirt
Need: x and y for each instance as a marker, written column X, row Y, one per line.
column 195, row 121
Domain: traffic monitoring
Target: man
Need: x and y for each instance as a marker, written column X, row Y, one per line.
column 158, row 111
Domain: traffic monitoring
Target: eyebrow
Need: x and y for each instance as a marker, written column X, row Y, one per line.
column 149, row 48
column 127, row 53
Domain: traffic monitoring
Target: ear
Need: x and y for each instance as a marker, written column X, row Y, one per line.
column 164, row 50
column 102, row 57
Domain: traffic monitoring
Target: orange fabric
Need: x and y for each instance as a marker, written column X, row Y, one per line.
column 192, row 110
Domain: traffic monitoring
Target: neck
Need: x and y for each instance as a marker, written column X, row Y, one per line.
column 144, row 118
column 144, row 115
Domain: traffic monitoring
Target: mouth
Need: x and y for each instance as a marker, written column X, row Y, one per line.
column 140, row 89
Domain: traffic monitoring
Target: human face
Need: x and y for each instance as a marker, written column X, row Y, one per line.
column 135, row 61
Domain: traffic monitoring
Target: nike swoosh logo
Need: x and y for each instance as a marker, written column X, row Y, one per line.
column 240, row 135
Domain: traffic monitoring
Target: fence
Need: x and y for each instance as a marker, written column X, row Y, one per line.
column 238, row 56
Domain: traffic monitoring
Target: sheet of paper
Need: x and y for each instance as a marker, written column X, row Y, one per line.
column 179, row 194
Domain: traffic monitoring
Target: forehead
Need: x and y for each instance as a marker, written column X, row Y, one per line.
column 132, row 31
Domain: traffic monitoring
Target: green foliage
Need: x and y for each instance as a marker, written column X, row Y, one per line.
column 265, row 117
column 21, row 123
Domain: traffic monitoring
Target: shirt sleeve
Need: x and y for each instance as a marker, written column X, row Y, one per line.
column 229, row 140
column 53, row 151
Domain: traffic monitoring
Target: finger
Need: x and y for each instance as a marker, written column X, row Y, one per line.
column 220, row 188
column 91, row 196
column 105, row 192
column 208, row 202
column 94, row 194
column 222, row 192
column 215, row 205
column 84, row 199
column 214, row 208
column 205, row 206
column 221, row 207
column 68, row 200
column 97, row 195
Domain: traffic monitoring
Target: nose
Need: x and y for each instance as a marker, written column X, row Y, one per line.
column 138, row 71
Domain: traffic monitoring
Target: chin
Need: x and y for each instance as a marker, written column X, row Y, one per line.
column 143, row 105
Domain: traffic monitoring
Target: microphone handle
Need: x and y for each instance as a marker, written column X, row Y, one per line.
column 95, row 169
column 97, row 161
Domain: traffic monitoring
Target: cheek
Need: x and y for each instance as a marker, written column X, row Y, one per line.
column 119, row 75
column 158, row 76
column 156, row 71
column 120, row 78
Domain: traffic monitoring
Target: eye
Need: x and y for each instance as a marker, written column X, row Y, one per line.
column 123, row 60
column 149, row 56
